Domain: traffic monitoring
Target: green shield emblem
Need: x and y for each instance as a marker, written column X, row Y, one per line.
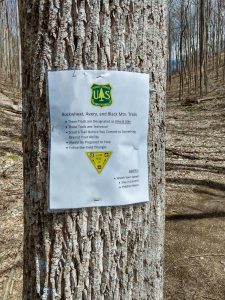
column 101, row 94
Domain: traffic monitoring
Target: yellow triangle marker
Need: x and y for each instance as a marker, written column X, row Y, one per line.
column 99, row 159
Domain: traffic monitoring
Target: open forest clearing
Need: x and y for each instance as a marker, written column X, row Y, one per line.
column 195, row 216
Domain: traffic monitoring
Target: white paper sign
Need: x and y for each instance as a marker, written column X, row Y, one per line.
column 98, row 139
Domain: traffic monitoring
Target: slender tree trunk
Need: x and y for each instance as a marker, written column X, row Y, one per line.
column 9, row 45
column 201, row 44
column 18, row 63
column 99, row 253
column 181, row 63
column 169, row 62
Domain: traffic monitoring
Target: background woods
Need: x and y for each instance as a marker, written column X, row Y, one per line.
column 196, row 43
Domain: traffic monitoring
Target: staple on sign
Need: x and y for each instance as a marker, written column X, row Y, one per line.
column 100, row 76
column 97, row 199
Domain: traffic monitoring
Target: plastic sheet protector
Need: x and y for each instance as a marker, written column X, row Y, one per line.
column 98, row 138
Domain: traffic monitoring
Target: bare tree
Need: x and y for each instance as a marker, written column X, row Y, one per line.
column 9, row 44
column 197, row 40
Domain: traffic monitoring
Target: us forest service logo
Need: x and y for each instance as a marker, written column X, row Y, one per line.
column 101, row 94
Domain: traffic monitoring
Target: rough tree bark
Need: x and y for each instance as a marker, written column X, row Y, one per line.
column 99, row 253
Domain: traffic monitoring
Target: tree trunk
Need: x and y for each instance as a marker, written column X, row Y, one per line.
column 201, row 44
column 98, row 253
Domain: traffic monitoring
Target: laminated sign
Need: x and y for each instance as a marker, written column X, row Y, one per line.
column 98, row 138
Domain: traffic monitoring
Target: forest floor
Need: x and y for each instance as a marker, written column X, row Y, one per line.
column 195, row 215
column 11, row 201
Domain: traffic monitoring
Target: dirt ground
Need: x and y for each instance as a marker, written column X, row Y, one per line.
column 195, row 215
column 11, row 202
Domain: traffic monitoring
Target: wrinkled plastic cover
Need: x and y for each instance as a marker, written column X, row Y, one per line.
column 98, row 138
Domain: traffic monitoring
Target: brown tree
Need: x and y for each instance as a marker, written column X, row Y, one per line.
column 98, row 253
